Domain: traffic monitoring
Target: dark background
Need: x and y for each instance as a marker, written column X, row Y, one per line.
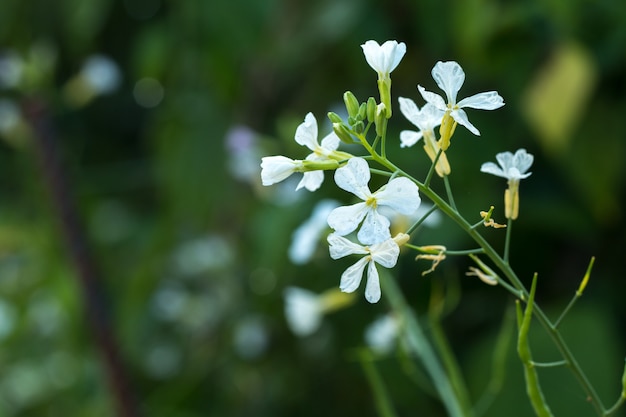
column 192, row 249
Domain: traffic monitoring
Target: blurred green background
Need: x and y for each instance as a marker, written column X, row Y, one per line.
column 162, row 163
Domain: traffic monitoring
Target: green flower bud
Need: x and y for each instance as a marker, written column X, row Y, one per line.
column 352, row 104
column 362, row 112
column 381, row 119
column 334, row 117
column 371, row 109
column 343, row 133
column 359, row 127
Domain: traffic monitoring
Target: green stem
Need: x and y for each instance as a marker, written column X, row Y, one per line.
column 446, row 181
column 506, row 269
column 420, row 221
column 429, row 176
column 419, row 345
column 381, row 396
column 507, row 240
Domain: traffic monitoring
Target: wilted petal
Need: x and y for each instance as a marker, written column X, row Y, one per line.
column 306, row 133
column 340, row 247
column 409, row 138
column 490, row 100
column 449, row 76
column 375, row 228
column 351, row 277
column 353, row 177
column 346, row 219
column 401, row 194
column 372, row 287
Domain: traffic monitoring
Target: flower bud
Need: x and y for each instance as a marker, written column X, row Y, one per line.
column 362, row 112
column 381, row 119
column 371, row 109
column 352, row 104
column 343, row 133
column 334, row 117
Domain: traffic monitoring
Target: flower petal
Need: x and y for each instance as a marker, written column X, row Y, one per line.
column 351, row 277
column 385, row 253
column 449, row 76
column 375, row 228
column 490, row 100
column 409, row 138
column 461, row 118
column 523, row 160
column 433, row 98
column 372, row 287
column 410, row 110
column 353, row 177
column 346, row 219
column 302, row 310
column 311, row 180
column 491, row 168
column 340, row 247
column 371, row 50
column 277, row 168
column 401, row 194
column 330, row 142
column 306, row 133
column 393, row 53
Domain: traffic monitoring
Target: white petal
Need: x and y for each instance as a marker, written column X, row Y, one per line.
column 351, row 277
column 311, row 180
column 409, row 109
column 306, row 133
column 277, row 168
column 373, row 56
column 449, row 76
column 340, row 247
column 461, row 117
column 330, row 142
column 302, row 310
column 409, row 138
column 353, row 177
column 385, row 253
column 393, row 53
column 505, row 159
column 375, row 228
column 522, row 160
column 372, row 287
column 490, row 100
column 432, row 98
column 346, row 219
column 491, row 168
column 401, row 194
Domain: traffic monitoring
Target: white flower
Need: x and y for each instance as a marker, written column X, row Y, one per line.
column 306, row 236
column 303, row 310
column 383, row 58
column 384, row 253
column 426, row 120
column 306, row 135
column 278, row 168
column 450, row 77
column 400, row 194
column 101, row 74
column 512, row 167
column 381, row 335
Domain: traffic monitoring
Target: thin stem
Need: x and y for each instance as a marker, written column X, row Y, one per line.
column 381, row 396
column 418, row 343
column 446, row 181
column 507, row 240
column 429, row 176
column 421, row 220
column 549, row 364
column 504, row 266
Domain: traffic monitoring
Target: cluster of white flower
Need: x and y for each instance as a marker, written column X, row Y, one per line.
column 371, row 217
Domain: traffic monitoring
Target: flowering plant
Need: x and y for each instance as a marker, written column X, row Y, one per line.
column 365, row 228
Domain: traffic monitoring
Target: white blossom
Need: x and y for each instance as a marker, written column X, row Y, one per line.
column 512, row 166
column 384, row 253
column 303, row 310
column 275, row 169
column 383, row 58
column 400, row 194
column 306, row 237
column 449, row 76
column 425, row 119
